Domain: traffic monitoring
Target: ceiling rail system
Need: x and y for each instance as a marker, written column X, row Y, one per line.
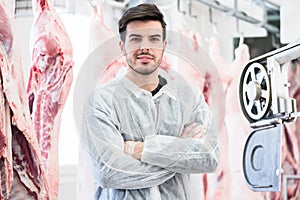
column 234, row 12
column 24, row 7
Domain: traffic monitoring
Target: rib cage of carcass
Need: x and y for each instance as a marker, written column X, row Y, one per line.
column 265, row 102
column 51, row 76
column 29, row 129
column 22, row 174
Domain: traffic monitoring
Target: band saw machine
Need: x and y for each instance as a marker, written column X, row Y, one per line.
column 265, row 102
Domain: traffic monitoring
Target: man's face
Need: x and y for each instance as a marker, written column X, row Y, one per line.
column 144, row 46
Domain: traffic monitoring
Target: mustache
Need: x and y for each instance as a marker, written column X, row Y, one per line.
column 143, row 54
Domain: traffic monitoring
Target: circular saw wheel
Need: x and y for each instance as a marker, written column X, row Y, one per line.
column 255, row 92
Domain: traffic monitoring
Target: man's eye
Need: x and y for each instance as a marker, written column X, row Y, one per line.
column 135, row 39
column 154, row 39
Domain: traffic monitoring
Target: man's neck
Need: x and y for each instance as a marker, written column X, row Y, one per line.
column 146, row 82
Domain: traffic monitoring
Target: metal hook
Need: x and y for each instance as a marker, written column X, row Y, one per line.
column 210, row 15
column 179, row 9
column 265, row 14
column 274, row 43
column 190, row 9
column 241, row 34
column 92, row 3
column 214, row 24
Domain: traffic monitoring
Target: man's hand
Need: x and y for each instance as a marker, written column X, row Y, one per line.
column 194, row 130
column 134, row 149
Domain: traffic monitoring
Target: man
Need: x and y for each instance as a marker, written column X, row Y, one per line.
column 146, row 132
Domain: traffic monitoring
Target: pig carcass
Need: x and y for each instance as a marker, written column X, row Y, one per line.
column 22, row 174
column 291, row 135
column 50, row 79
column 198, row 74
column 213, row 186
column 100, row 33
column 236, row 135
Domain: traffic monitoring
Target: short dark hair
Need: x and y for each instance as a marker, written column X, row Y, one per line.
column 142, row 12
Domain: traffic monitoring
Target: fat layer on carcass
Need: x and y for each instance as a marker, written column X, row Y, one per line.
column 51, row 75
column 22, row 174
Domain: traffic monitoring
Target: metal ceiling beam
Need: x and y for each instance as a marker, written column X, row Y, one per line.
column 238, row 14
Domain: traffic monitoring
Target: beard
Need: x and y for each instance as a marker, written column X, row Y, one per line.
column 144, row 68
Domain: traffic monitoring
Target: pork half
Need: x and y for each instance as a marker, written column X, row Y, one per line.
column 236, row 135
column 22, row 173
column 50, row 79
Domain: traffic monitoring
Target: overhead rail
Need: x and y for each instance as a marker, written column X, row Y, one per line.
column 232, row 12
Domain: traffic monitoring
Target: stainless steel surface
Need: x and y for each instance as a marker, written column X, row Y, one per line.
column 285, row 184
column 264, row 85
column 262, row 159
column 267, row 106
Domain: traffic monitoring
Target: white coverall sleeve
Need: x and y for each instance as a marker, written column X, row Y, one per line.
column 186, row 155
column 113, row 168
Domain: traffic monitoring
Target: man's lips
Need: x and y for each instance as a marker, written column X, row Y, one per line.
column 145, row 58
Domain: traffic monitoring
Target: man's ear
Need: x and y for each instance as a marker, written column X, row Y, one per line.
column 165, row 43
column 122, row 47
column 164, row 46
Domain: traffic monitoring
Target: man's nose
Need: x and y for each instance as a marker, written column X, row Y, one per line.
column 145, row 45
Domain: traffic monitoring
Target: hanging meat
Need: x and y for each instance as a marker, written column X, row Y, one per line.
column 22, row 174
column 291, row 157
column 51, row 75
column 197, row 69
column 236, row 135
column 99, row 33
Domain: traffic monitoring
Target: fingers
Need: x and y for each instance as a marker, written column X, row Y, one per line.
column 186, row 131
column 134, row 149
column 199, row 131
column 129, row 147
column 194, row 130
